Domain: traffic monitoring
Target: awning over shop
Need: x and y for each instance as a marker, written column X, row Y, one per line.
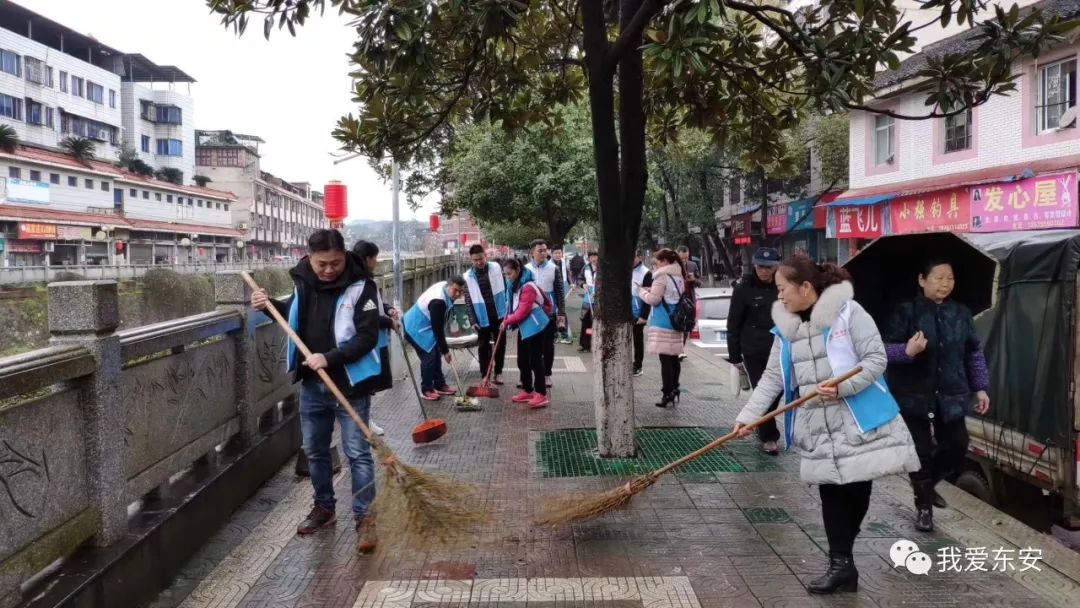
column 861, row 201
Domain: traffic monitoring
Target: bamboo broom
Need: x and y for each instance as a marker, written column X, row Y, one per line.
column 414, row 508
column 568, row 509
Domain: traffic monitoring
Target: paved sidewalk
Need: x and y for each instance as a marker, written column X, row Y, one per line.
column 736, row 529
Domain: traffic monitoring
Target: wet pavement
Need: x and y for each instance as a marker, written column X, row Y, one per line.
column 735, row 529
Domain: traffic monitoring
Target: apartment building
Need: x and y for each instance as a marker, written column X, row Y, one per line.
column 276, row 216
column 1008, row 164
column 56, row 83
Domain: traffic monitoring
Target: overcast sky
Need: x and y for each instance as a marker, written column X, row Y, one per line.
column 288, row 91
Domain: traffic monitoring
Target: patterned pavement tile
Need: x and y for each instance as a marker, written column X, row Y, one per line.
column 737, row 530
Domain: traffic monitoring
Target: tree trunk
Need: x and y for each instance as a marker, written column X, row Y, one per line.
column 621, row 195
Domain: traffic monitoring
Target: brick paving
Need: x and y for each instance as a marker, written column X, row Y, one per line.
column 737, row 530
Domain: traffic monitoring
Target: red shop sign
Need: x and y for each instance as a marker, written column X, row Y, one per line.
column 37, row 231
column 858, row 222
column 944, row 210
column 777, row 222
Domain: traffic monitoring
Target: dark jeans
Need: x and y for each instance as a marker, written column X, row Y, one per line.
column 843, row 508
column 670, row 368
column 755, row 367
column 941, row 446
column 639, row 345
column 318, row 410
column 485, row 336
column 531, row 363
column 431, row 374
column 549, row 346
column 586, row 327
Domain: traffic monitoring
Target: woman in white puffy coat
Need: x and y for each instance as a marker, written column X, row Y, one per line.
column 816, row 308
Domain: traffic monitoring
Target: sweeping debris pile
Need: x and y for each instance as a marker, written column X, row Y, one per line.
column 467, row 403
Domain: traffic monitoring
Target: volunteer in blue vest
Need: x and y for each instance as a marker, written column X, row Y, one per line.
column 562, row 270
column 335, row 310
column 530, row 315
column 847, row 436
column 488, row 298
column 640, row 277
column 545, row 274
column 425, row 329
column 669, row 281
column 588, row 278
column 367, row 254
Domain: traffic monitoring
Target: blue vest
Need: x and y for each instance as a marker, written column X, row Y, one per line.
column 367, row 366
column 545, row 276
column 496, row 278
column 637, row 305
column 418, row 318
column 537, row 319
column 590, row 284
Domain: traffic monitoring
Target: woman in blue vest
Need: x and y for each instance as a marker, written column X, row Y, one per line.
column 425, row 329
column 368, row 259
column 531, row 308
column 669, row 283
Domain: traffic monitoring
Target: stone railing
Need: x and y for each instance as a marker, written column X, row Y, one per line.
column 19, row 275
column 98, row 431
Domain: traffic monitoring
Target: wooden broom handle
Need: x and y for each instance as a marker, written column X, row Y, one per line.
column 325, row 377
column 760, row 421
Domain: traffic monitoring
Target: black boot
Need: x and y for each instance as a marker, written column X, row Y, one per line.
column 924, row 505
column 666, row 400
column 939, row 502
column 841, row 576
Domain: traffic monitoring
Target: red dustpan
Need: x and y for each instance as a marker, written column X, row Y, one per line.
column 431, row 428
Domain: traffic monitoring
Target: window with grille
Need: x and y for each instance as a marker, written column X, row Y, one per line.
column 35, row 70
column 958, row 131
column 1057, row 93
column 884, row 140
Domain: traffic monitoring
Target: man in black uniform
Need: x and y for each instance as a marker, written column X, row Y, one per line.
column 749, row 330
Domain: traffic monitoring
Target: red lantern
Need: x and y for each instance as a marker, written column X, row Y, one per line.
column 464, row 237
column 433, row 222
column 336, row 197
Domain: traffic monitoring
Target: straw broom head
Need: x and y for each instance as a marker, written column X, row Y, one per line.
column 416, row 509
column 583, row 507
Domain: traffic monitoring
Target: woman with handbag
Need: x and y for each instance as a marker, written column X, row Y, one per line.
column 669, row 283
column 937, row 370
column 851, row 434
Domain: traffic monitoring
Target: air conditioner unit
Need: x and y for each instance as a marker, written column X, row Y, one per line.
column 101, row 135
column 242, row 225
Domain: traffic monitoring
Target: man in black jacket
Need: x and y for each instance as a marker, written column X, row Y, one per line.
column 749, row 330
column 328, row 284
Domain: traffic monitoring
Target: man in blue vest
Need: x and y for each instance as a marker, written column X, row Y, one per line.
column 545, row 273
column 487, row 297
column 640, row 277
column 425, row 329
column 335, row 310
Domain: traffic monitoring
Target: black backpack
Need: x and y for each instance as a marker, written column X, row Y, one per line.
column 684, row 315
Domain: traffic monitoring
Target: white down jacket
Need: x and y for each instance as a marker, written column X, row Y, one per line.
column 833, row 449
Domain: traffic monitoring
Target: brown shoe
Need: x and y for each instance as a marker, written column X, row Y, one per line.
column 366, row 540
column 319, row 517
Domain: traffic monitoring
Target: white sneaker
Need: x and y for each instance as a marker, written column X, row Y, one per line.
column 378, row 430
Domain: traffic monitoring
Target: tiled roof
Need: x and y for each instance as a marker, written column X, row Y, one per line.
column 32, row 214
column 31, row 154
column 964, row 42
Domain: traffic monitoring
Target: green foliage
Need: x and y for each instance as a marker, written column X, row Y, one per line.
column 171, row 175
column 80, row 148
column 170, row 295
column 201, row 180
column 540, row 178
column 276, row 281
column 9, row 139
column 830, row 135
column 515, row 235
column 129, row 159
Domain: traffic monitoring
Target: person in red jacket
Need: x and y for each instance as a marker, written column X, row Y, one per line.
column 531, row 308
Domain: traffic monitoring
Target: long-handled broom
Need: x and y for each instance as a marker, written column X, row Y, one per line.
column 414, row 508
column 485, row 389
column 567, row 509
column 431, row 428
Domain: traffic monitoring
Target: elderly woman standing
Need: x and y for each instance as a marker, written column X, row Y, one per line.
column 822, row 332
column 668, row 284
column 937, row 371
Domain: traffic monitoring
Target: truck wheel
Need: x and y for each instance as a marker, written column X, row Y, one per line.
column 974, row 483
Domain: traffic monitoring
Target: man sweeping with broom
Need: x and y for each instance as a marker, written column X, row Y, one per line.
column 335, row 310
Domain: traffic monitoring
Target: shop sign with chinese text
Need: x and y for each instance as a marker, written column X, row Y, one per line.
column 856, row 222
column 37, row 231
column 945, row 210
column 1044, row 201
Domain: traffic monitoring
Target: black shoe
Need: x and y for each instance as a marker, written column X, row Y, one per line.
column 638, row 372
column 924, row 519
column 841, row 576
column 668, row 399
column 939, row 502
column 319, row 517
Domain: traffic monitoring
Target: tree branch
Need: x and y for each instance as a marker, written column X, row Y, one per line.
column 632, row 33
